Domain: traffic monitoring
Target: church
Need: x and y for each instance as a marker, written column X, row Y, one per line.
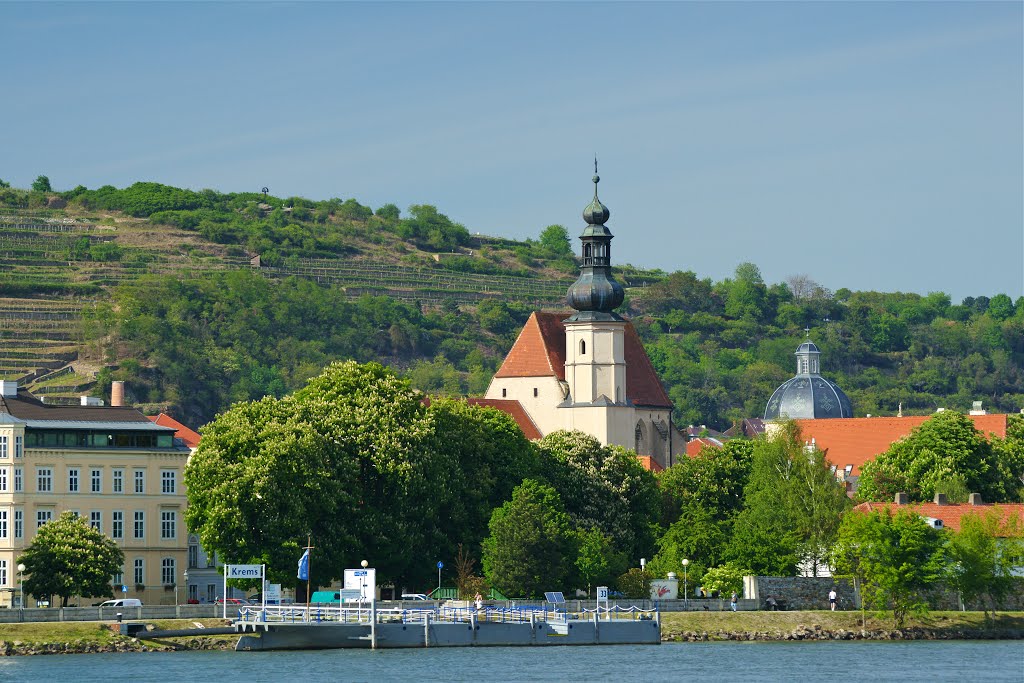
column 588, row 370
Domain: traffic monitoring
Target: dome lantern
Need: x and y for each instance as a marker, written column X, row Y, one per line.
column 595, row 294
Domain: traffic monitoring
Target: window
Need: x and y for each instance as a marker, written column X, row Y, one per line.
column 117, row 530
column 168, row 481
column 3, row 572
column 96, row 520
column 19, row 483
column 3, row 480
column 43, row 516
column 119, row 579
column 168, row 524
column 535, row 392
column 167, row 571
column 3, row 523
column 211, row 592
column 19, row 523
column 193, row 556
column 193, row 592
column 96, row 478
column 504, row 393
column 140, row 524
column 140, row 481
column 19, row 443
column 140, row 574
column 44, row 479
column 583, row 347
column 3, row 447
column 72, row 480
column 117, row 485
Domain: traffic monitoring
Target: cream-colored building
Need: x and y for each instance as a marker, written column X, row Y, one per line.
column 588, row 370
column 108, row 464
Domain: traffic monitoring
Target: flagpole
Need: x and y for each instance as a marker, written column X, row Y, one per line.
column 309, row 571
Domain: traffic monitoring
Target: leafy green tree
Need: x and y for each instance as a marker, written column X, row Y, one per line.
column 982, row 557
column 1000, row 307
column 531, row 546
column 597, row 562
column 41, row 184
column 1009, row 454
column 819, row 502
column 389, row 212
column 554, row 239
column 602, row 487
column 724, row 579
column 696, row 536
column 635, row 583
column 895, row 559
column 68, row 557
column 713, row 480
column 944, row 446
column 4, row 184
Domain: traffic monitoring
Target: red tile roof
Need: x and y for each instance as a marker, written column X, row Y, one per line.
column 855, row 440
column 695, row 446
column 950, row 514
column 540, row 352
column 515, row 410
column 649, row 463
column 187, row 436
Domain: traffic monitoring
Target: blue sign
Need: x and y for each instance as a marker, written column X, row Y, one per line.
column 440, row 565
column 124, row 588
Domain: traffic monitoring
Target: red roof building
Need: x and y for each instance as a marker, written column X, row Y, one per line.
column 951, row 514
column 187, row 436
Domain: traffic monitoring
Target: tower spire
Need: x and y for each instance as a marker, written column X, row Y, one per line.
column 595, row 294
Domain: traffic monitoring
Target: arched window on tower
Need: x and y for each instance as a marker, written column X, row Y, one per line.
column 587, row 253
column 803, row 366
column 583, row 347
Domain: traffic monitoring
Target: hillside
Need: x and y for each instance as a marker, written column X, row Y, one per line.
column 200, row 299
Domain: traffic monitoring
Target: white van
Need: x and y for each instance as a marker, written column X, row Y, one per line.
column 122, row 602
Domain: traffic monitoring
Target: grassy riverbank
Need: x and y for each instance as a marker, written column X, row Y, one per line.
column 779, row 625
column 94, row 636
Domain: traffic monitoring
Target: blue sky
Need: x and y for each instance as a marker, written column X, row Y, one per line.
column 868, row 145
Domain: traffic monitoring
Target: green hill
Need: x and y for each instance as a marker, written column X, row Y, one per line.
column 200, row 299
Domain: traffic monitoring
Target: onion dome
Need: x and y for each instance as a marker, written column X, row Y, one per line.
column 808, row 395
column 595, row 294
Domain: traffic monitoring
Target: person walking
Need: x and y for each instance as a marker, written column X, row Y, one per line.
column 732, row 600
column 832, row 599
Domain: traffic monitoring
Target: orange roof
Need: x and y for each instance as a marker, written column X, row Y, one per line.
column 187, row 436
column 855, row 440
column 649, row 463
column 540, row 352
column 950, row 514
column 695, row 446
column 515, row 410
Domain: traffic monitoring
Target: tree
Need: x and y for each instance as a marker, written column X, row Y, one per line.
column 555, row 240
column 602, row 487
column 945, row 445
column 982, row 556
column 819, row 502
column 350, row 459
column 725, row 579
column 68, row 557
column 1009, row 454
column 41, row 184
column 895, row 558
column 597, row 562
column 713, row 480
column 531, row 545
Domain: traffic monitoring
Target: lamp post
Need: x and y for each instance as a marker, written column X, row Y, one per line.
column 21, row 584
column 686, row 596
column 184, row 576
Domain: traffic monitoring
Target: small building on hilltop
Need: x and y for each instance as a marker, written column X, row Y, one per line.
column 588, row 370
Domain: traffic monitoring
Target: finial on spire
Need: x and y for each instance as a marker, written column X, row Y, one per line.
column 597, row 178
column 807, row 331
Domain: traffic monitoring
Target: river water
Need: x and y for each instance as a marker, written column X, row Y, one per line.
column 988, row 661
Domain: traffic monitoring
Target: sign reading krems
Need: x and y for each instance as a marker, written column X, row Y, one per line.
column 243, row 571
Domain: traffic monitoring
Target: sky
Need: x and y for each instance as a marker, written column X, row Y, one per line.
column 866, row 145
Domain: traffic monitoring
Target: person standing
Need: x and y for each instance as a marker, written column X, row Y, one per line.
column 832, row 598
column 478, row 601
column 733, row 600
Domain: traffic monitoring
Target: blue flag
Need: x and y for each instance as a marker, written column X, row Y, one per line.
column 304, row 566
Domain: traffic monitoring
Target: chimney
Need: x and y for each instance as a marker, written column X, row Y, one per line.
column 975, row 499
column 117, row 393
column 978, row 409
column 902, row 499
column 940, row 498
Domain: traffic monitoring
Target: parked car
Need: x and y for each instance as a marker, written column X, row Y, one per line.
column 231, row 601
column 122, row 602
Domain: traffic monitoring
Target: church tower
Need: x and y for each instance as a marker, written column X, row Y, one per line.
column 595, row 363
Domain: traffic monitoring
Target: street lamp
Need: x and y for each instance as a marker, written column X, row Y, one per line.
column 686, row 603
column 184, row 575
column 21, row 584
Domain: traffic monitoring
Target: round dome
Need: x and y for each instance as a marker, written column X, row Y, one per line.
column 807, row 347
column 808, row 397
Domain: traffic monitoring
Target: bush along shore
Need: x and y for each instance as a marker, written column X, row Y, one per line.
column 818, row 626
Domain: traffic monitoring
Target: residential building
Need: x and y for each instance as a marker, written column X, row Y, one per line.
column 107, row 464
